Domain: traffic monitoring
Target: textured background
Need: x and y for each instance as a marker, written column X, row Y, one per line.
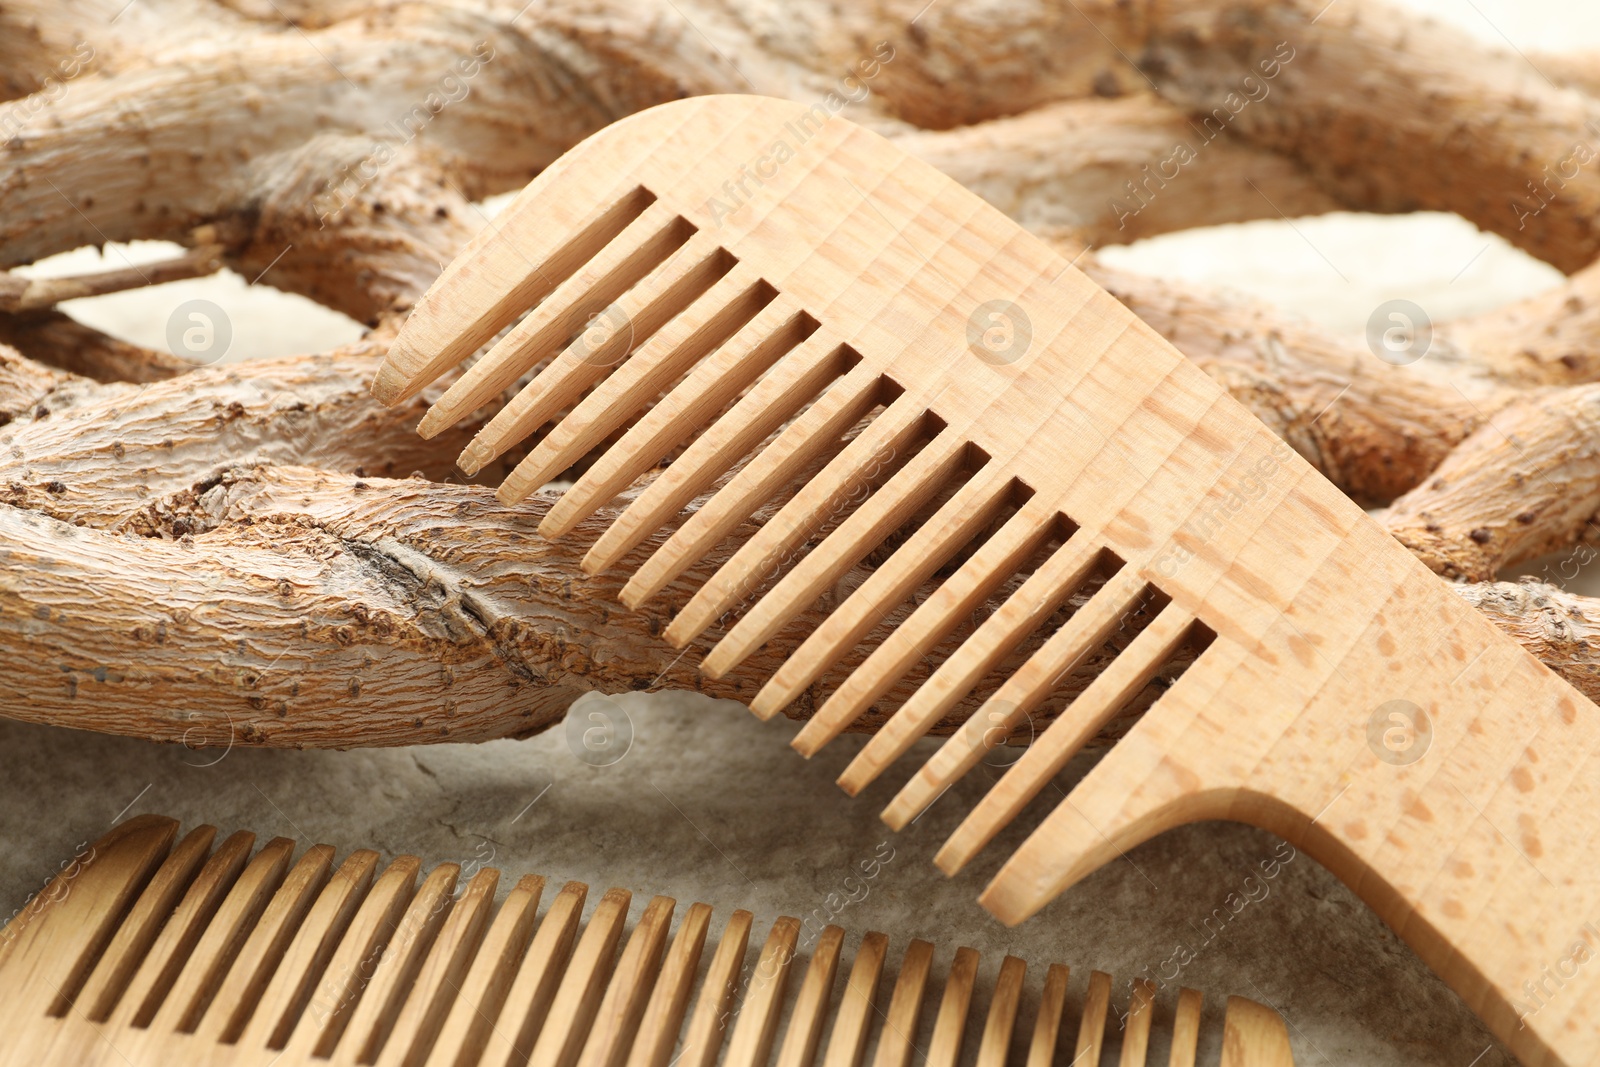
column 709, row 804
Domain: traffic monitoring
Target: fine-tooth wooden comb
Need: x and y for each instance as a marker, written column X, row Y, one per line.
column 145, row 952
column 732, row 277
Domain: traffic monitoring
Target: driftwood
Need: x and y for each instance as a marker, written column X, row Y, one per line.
column 260, row 554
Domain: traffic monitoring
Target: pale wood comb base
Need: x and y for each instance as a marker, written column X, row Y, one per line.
column 146, row 952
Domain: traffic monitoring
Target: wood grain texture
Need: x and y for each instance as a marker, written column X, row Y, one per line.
column 1315, row 636
column 420, row 976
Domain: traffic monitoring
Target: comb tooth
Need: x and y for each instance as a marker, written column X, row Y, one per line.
column 428, row 1004
column 397, row 971
column 1036, row 600
column 51, row 945
column 1136, row 1034
column 811, row 1006
column 821, row 425
column 883, row 439
column 646, row 242
column 968, row 510
column 241, row 989
column 944, row 1050
column 1132, row 793
column 203, row 973
column 528, row 1004
column 753, row 1031
column 506, row 269
column 1130, row 672
column 1025, row 690
column 796, row 380
column 328, row 1012
column 693, row 402
column 1047, row 1027
column 581, row 989
column 869, row 525
column 905, row 1007
column 1092, row 1028
column 617, row 1021
column 708, row 322
column 479, row 997
column 633, row 318
column 849, row 1035
column 669, row 1000
column 129, row 948
column 286, row 994
column 706, row 1026
column 1002, row 1013
column 935, row 617
column 1254, row 1035
column 155, row 976
column 1185, row 1029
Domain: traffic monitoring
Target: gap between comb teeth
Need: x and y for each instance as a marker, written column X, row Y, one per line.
column 882, row 443
column 883, row 512
column 1120, row 682
column 840, row 407
column 689, row 405
column 646, row 243
column 682, row 279
column 951, row 527
column 706, row 324
column 1041, row 596
column 955, row 599
column 1029, row 686
column 795, row 380
column 435, row 338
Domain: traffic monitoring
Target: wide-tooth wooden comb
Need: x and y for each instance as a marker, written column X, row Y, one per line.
column 728, row 277
column 143, row 951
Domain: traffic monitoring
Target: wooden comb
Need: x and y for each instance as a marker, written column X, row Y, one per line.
column 145, row 952
column 808, row 320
